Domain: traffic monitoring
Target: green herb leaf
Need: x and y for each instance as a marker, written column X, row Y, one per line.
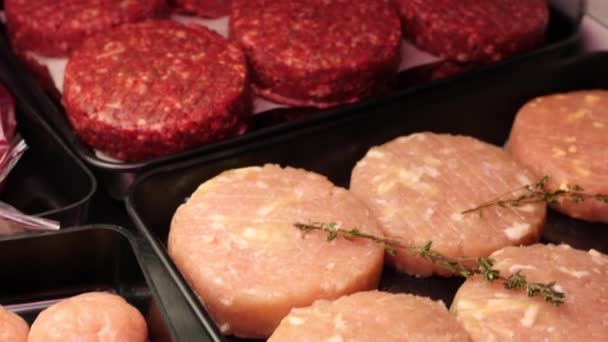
column 482, row 266
column 536, row 193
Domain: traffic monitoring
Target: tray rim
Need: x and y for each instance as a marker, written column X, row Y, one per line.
column 133, row 245
column 23, row 105
column 77, row 161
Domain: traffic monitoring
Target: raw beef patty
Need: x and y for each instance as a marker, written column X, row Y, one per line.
column 317, row 52
column 474, row 30
column 55, row 28
column 155, row 88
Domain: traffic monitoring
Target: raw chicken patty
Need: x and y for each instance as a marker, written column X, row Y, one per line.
column 235, row 243
column 12, row 327
column 371, row 316
column 489, row 312
column 418, row 186
column 565, row 137
column 93, row 316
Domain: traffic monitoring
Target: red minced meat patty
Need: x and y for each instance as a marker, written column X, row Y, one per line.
column 317, row 52
column 204, row 8
column 154, row 88
column 473, row 30
column 55, row 28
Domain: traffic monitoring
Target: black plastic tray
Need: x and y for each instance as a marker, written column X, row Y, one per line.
column 49, row 181
column 562, row 37
column 36, row 271
column 483, row 106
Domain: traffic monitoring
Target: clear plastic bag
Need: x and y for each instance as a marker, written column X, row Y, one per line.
column 14, row 222
column 12, row 147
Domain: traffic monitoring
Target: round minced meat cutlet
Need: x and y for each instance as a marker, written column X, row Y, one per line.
column 154, row 88
column 55, row 28
column 490, row 312
column 204, row 8
column 473, row 30
column 317, row 52
column 419, row 185
column 235, row 242
column 12, row 327
column 371, row 316
column 565, row 136
column 92, row 316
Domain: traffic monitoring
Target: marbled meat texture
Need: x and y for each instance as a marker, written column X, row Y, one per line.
column 12, row 327
column 204, row 8
column 489, row 312
column 565, row 137
column 235, row 242
column 317, row 52
column 55, row 28
column 473, row 30
column 418, row 185
column 371, row 316
column 154, row 88
column 93, row 316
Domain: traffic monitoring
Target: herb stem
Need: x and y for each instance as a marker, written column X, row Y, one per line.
column 537, row 193
column 482, row 266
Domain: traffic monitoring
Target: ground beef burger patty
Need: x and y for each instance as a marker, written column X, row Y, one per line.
column 371, row 316
column 12, row 327
column 204, row 8
column 490, row 312
column 565, row 137
column 473, row 30
column 419, row 185
column 55, row 28
column 154, row 88
column 235, row 242
column 317, row 52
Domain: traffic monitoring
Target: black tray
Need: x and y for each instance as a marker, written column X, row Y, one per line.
column 36, row 271
column 49, row 181
column 483, row 106
column 562, row 37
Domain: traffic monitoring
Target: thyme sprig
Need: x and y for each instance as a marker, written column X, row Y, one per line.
column 537, row 193
column 465, row 267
